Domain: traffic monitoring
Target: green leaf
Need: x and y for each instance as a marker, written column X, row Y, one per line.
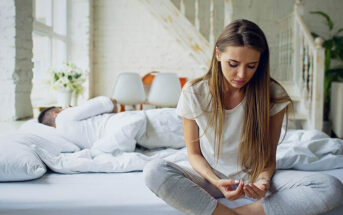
column 331, row 76
column 340, row 54
column 327, row 58
column 337, row 47
column 56, row 77
column 338, row 31
column 315, row 35
column 338, row 40
column 327, row 44
column 327, row 17
column 70, row 77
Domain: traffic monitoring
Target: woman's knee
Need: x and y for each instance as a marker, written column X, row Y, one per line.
column 156, row 172
column 335, row 190
column 331, row 189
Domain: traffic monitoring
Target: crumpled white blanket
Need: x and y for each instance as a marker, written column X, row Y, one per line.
column 85, row 161
column 309, row 150
column 301, row 149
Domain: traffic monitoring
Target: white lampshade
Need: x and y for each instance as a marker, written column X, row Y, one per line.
column 165, row 90
column 128, row 89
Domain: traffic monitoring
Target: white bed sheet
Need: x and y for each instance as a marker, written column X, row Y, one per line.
column 86, row 194
column 93, row 193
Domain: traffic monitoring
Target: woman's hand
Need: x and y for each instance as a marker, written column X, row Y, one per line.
column 257, row 190
column 225, row 186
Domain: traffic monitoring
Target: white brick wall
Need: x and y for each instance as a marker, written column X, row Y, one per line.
column 15, row 59
column 127, row 38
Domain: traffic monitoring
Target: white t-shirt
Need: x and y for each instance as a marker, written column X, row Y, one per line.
column 194, row 104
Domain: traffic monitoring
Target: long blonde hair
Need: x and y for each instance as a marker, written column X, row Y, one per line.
column 255, row 151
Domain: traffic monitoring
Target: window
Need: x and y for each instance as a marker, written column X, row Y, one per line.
column 50, row 42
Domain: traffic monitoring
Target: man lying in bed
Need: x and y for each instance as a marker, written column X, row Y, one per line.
column 95, row 124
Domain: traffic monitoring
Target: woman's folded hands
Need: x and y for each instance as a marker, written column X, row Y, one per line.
column 256, row 190
column 230, row 193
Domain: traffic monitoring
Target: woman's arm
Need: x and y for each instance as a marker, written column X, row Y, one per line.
column 199, row 164
column 274, row 131
column 195, row 157
column 258, row 189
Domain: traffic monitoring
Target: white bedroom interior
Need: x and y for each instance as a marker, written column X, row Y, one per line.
column 105, row 38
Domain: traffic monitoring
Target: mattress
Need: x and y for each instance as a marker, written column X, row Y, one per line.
column 94, row 193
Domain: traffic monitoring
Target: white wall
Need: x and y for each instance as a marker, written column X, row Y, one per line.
column 127, row 38
column 15, row 59
column 266, row 14
column 333, row 8
column 317, row 24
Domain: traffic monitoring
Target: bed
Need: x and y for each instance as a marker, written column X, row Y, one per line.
column 93, row 193
column 63, row 182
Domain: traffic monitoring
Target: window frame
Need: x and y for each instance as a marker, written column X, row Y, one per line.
column 47, row 30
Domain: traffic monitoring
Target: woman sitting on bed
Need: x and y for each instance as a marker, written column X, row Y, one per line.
column 232, row 118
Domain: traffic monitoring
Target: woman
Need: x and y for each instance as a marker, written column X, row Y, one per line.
column 232, row 119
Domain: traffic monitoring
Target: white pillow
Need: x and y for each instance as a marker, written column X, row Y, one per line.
column 164, row 129
column 18, row 162
column 46, row 137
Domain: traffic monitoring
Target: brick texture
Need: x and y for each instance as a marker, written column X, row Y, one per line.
column 15, row 59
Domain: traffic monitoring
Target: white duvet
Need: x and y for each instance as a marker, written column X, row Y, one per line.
column 84, row 161
column 303, row 150
column 309, row 150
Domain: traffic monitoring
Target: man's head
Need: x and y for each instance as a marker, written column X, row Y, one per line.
column 48, row 116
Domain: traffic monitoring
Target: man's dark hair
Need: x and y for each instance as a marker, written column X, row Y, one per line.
column 46, row 116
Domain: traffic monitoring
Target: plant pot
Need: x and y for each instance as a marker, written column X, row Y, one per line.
column 64, row 97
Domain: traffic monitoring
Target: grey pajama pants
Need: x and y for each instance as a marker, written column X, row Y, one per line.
column 291, row 191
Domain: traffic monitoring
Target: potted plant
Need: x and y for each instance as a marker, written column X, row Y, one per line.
column 67, row 80
column 333, row 45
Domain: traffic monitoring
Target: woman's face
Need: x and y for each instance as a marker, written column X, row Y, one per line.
column 238, row 64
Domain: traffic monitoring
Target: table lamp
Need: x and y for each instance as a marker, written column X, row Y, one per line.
column 128, row 89
column 165, row 90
